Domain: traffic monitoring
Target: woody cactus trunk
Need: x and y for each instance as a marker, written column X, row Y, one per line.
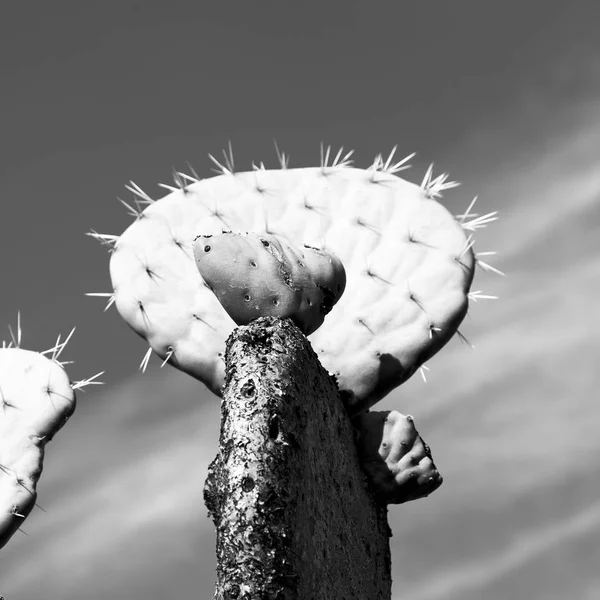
column 333, row 285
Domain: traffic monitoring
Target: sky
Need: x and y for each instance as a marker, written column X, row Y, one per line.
column 503, row 96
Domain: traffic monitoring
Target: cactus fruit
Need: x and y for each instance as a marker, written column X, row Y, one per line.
column 259, row 275
column 395, row 458
column 409, row 265
column 36, row 400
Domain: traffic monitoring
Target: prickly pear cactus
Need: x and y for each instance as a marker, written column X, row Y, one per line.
column 36, row 400
column 261, row 275
column 396, row 459
column 409, row 265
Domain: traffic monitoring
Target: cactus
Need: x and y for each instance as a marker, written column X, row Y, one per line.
column 36, row 400
column 258, row 275
column 409, row 265
column 397, row 461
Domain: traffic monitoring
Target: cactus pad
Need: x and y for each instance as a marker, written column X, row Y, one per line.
column 409, row 266
column 36, row 400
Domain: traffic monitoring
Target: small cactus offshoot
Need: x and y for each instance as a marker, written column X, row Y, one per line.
column 261, row 275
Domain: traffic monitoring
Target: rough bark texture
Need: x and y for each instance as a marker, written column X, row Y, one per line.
column 293, row 513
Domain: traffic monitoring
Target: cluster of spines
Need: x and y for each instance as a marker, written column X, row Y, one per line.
column 433, row 188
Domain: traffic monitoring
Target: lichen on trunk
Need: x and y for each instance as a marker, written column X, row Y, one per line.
column 292, row 509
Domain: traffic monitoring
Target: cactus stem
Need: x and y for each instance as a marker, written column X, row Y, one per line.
column 228, row 166
column 144, row 364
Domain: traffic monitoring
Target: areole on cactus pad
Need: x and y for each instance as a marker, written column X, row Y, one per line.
column 409, row 265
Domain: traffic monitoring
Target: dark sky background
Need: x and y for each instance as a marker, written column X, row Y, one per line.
column 503, row 95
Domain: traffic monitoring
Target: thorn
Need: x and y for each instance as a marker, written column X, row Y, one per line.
column 433, row 188
column 480, row 222
column 486, row 267
column 477, row 295
column 144, row 364
column 414, row 298
column 387, row 167
column 194, row 178
column 359, row 221
column 195, row 316
column 179, row 182
column 433, row 330
column 111, row 298
column 14, row 511
column 169, row 355
column 134, row 212
column 168, row 187
column 136, row 190
column 60, row 347
column 464, row 339
column 107, row 240
column 339, row 161
column 364, row 324
column 422, row 369
column 468, row 245
column 282, row 157
column 79, row 385
column 228, row 168
column 372, row 273
column 467, row 213
column 16, row 340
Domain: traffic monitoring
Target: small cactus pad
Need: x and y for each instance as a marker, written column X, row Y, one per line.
column 260, row 275
column 395, row 457
column 409, row 265
column 36, row 400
